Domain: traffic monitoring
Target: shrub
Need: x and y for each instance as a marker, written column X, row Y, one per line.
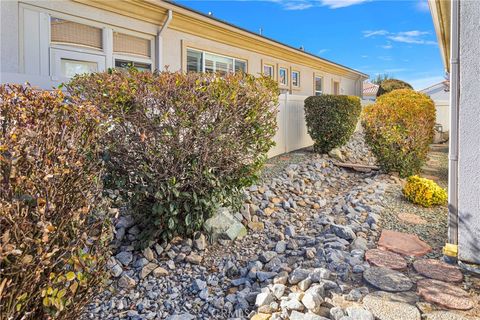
column 399, row 128
column 424, row 192
column 389, row 85
column 183, row 144
column 53, row 240
column 331, row 120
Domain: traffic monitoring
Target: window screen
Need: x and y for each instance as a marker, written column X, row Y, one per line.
column 125, row 43
column 63, row 31
column 194, row 61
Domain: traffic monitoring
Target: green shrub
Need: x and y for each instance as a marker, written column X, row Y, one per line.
column 183, row 144
column 53, row 241
column 399, row 128
column 389, row 85
column 424, row 192
column 331, row 120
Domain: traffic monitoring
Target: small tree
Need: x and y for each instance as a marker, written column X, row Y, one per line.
column 379, row 78
column 389, row 85
column 331, row 120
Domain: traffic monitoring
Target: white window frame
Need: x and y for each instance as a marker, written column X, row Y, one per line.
column 105, row 57
column 315, row 91
column 286, row 76
column 56, row 56
column 272, row 69
column 298, row 79
column 203, row 52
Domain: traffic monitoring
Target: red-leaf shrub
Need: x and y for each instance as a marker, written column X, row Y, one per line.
column 53, row 239
column 182, row 144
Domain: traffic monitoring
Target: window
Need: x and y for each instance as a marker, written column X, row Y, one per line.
column 318, row 86
column 268, row 70
column 240, row 66
column 336, row 87
column 67, row 63
column 283, row 76
column 194, row 61
column 72, row 67
column 127, row 44
column 68, row 32
column 199, row 61
column 295, row 78
column 140, row 66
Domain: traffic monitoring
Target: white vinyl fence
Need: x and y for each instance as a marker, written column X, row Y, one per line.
column 292, row 130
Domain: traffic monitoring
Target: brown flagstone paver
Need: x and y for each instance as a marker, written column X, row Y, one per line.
column 438, row 270
column 387, row 279
column 411, row 218
column 444, row 315
column 385, row 259
column 403, row 243
column 444, row 294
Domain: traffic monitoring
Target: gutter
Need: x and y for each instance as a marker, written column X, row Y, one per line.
column 454, row 127
column 159, row 64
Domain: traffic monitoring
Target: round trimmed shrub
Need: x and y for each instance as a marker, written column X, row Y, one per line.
column 54, row 231
column 399, row 128
column 424, row 192
column 390, row 85
column 331, row 120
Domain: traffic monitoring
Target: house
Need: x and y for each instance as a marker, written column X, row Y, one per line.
column 457, row 24
column 369, row 92
column 47, row 42
column 439, row 93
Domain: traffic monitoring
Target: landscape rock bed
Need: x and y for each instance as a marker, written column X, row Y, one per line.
column 309, row 225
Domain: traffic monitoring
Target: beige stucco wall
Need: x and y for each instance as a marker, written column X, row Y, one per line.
column 176, row 42
column 25, row 49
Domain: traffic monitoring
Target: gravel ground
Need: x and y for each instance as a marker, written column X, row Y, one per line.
column 434, row 229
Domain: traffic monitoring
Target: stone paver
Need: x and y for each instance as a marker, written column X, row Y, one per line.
column 384, row 307
column 438, row 270
column 411, row 218
column 444, row 315
column 387, row 280
column 385, row 259
column 403, row 243
column 444, row 294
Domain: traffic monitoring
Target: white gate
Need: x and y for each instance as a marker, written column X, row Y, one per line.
column 292, row 130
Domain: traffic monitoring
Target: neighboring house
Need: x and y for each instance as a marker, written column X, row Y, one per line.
column 369, row 91
column 457, row 24
column 438, row 91
column 47, row 42
column 440, row 94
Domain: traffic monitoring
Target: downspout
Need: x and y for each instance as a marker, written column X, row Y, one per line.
column 454, row 127
column 159, row 59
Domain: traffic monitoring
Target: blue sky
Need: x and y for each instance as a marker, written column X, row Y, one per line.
column 394, row 37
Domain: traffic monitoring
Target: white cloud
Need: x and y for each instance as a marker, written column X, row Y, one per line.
column 411, row 36
column 322, row 51
column 422, row 5
column 364, row 56
column 307, row 4
column 335, row 4
column 370, row 33
column 387, row 46
column 296, row 5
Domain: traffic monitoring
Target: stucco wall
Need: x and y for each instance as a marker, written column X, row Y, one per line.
column 8, row 36
column 469, row 133
column 26, row 53
column 175, row 44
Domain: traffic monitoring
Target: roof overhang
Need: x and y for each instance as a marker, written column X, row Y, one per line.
column 441, row 13
column 193, row 22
